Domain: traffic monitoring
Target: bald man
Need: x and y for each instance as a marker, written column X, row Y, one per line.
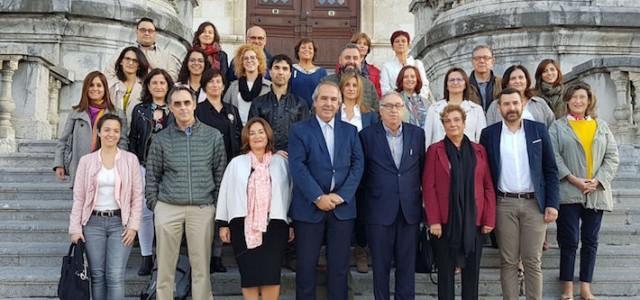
column 258, row 37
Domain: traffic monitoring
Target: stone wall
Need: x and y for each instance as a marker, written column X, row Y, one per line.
column 524, row 32
column 57, row 42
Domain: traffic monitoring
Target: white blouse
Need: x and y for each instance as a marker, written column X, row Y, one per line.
column 106, row 199
column 232, row 197
column 434, row 131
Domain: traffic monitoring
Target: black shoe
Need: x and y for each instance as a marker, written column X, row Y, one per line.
column 146, row 266
column 216, row 265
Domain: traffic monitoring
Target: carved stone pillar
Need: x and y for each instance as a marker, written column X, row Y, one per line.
column 634, row 77
column 622, row 112
column 9, row 64
column 54, row 101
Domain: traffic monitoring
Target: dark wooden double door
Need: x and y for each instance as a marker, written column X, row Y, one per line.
column 330, row 23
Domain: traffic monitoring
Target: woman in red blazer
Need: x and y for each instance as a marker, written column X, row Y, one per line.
column 460, row 204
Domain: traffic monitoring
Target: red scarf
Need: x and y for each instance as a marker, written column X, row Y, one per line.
column 213, row 56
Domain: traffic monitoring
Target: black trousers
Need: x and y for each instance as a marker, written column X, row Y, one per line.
column 446, row 269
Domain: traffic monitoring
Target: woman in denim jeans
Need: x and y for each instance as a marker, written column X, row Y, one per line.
column 107, row 207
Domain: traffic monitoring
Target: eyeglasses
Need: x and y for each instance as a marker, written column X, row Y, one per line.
column 128, row 60
column 249, row 58
column 390, row 106
column 484, row 58
column 454, row 80
column 196, row 60
column 146, row 30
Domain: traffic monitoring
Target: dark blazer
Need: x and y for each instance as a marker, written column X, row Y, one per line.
column 387, row 187
column 368, row 118
column 437, row 182
column 311, row 170
column 542, row 163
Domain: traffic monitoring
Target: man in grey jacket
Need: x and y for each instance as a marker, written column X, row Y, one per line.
column 184, row 169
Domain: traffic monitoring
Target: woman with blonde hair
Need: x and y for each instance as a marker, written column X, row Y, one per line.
column 249, row 66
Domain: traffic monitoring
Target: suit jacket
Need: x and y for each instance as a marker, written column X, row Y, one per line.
column 311, row 169
column 437, row 182
column 387, row 187
column 542, row 163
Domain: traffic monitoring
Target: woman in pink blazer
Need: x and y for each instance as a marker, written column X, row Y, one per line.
column 460, row 204
column 107, row 207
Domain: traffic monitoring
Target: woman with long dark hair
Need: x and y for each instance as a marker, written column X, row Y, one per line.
column 148, row 118
column 194, row 64
column 125, row 90
column 79, row 136
column 208, row 39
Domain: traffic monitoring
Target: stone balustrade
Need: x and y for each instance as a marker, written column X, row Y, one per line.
column 9, row 64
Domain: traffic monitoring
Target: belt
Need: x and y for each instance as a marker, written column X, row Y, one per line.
column 106, row 213
column 516, row 195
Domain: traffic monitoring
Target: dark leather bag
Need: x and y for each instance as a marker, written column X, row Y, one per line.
column 74, row 275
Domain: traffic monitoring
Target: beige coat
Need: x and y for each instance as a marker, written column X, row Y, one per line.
column 570, row 158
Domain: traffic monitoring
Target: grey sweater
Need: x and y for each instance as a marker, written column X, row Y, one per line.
column 185, row 169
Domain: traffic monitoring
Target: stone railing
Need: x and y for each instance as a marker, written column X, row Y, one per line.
column 29, row 99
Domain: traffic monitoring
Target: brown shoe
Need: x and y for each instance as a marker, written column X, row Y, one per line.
column 362, row 259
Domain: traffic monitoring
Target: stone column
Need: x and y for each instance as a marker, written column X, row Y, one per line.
column 622, row 112
column 7, row 106
column 54, row 97
column 634, row 77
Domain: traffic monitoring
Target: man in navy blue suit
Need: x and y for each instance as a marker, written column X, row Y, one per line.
column 325, row 164
column 394, row 159
column 525, row 175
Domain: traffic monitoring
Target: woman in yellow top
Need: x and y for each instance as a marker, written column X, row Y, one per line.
column 587, row 159
column 126, row 88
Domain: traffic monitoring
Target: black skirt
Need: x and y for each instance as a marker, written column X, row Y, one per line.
column 261, row 265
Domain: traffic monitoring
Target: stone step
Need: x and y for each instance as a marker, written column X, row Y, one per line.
column 37, row 146
column 36, row 191
column 49, row 254
column 35, row 209
column 27, row 175
column 42, row 282
column 611, row 234
column 26, row 160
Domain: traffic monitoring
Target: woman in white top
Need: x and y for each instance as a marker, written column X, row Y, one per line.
column 456, row 92
column 107, row 208
column 249, row 65
column 253, row 202
column 400, row 43
column 353, row 110
column 125, row 89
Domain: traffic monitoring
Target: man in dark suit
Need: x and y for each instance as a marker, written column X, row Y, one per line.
column 326, row 164
column 394, row 160
column 525, row 175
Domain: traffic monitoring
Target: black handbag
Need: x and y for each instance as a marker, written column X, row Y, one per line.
column 74, row 274
column 425, row 256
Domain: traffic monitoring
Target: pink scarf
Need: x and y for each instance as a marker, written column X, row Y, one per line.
column 258, row 201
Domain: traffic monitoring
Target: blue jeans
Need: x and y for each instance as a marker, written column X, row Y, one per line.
column 107, row 257
column 570, row 231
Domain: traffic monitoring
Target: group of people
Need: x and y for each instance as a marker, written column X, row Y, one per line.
column 280, row 159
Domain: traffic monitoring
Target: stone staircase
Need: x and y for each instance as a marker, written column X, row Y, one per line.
column 34, row 211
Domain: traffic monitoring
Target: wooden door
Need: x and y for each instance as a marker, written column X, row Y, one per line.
column 330, row 23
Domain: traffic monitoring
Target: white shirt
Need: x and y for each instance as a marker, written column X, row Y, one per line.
column 106, row 199
column 434, row 131
column 515, row 174
column 244, row 106
column 356, row 120
column 327, row 132
column 391, row 69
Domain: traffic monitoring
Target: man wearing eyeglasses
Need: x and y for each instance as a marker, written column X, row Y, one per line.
column 146, row 40
column 394, row 158
column 258, row 37
column 485, row 87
